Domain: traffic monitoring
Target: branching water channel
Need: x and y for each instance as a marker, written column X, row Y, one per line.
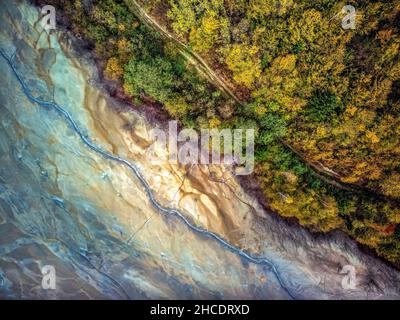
column 164, row 210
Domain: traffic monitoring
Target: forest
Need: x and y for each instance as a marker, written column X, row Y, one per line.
column 324, row 101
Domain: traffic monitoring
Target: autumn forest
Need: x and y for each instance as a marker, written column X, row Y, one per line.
column 323, row 100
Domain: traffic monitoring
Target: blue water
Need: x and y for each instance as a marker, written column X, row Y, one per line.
column 76, row 196
column 65, row 114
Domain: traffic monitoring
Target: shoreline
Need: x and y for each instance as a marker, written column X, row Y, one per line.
column 155, row 115
column 95, row 207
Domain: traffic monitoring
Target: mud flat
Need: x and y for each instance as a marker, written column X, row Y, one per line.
column 80, row 190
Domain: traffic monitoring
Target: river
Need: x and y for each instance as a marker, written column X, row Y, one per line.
column 78, row 192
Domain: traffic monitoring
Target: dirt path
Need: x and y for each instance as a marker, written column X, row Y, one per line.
column 191, row 56
column 198, row 62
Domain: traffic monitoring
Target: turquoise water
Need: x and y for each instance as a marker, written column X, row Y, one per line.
column 67, row 199
column 41, row 118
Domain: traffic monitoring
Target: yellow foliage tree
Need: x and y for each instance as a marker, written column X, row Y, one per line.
column 204, row 37
column 243, row 61
column 113, row 69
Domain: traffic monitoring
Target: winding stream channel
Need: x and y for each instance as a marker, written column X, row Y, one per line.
column 77, row 192
column 92, row 146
